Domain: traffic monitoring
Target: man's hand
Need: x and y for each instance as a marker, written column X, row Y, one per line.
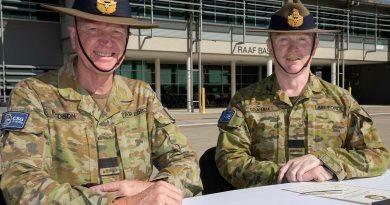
column 160, row 193
column 296, row 168
column 123, row 188
column 318, row 174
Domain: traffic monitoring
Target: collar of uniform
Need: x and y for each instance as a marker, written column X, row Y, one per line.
column 118, row 100
column 278, row 93
column 269, row 86
column 314, row 86
column 68, row 86
column 70, row 89
column 120, row 96
column 122, row 90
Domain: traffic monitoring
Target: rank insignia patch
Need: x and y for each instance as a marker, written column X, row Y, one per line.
column 226, row 116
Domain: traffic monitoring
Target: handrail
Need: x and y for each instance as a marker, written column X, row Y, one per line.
column 49, row 67
column 327, row 17
column 32, row 8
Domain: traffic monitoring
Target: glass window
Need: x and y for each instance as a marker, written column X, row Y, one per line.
column 139, row 70
column 217, row 85
column 246, row 75
column 173, row 85
column 166, row 73
column 29, row 10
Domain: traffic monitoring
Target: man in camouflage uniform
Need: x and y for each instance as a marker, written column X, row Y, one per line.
column 83, row 135
column 293, row 126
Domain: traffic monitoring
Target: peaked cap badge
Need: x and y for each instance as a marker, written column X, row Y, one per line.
column 106, row 6
column 295, row 19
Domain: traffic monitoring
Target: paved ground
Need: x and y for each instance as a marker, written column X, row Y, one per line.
column 202, row 132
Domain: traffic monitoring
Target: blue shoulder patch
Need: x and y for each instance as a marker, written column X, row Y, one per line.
column 226, row 116
column 14, row 120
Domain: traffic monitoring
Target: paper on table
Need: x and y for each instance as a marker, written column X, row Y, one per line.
column 336, row 190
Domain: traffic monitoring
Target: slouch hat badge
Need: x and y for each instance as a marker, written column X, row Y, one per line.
column 106, row 6
column 295, row 19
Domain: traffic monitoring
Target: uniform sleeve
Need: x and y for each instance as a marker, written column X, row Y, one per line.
column 234, row 159
column 171, row 153
column 26, row 158
column 364, row 153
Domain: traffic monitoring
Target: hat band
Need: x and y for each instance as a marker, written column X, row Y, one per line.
column 280, row 23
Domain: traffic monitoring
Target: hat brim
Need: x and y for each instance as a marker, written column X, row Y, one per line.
column 131, row 22
column 315, row 30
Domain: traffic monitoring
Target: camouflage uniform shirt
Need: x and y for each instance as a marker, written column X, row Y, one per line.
column 57, row 155
column 262, row 129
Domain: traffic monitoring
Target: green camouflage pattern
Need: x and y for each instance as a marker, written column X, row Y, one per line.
column 332, row 125
column 55, row 157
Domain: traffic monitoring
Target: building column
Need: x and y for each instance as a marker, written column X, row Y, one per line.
column 260, row 72
column 200, row 86
column 333, row 73
column 233, row 78
column 269, row 67
column 190, row 107
column 157, row 77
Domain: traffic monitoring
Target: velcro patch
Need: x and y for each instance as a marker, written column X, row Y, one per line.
column 14, row 120
column 108, row 162
column 226, row 116
column 296, row 143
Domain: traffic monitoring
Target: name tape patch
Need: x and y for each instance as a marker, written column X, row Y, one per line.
column 14, row 120
column 226, row 116
column 326, row 107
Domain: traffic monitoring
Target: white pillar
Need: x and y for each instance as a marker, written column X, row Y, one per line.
column 333, row 73
column 269, row 67
column 189, row 84
column 260, row 72
column 200, row 86
column 157, row 77
column 233, row 78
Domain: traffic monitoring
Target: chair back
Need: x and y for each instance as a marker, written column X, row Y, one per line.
column 212, row 181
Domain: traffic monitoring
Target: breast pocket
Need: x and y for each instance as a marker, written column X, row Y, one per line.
column 70, row 153
column 134, row 147
column 267, row 130
column 326, row 128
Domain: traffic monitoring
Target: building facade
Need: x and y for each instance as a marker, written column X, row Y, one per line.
column 207, row 44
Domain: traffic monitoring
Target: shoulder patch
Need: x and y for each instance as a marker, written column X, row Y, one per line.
column 14, row 120
column 226, row 116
